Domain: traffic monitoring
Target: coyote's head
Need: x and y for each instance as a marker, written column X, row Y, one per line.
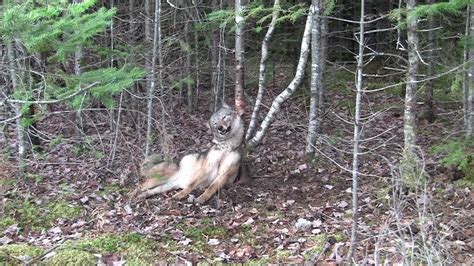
column 227, row 126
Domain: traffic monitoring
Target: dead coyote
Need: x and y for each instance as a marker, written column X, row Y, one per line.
column 212, row 170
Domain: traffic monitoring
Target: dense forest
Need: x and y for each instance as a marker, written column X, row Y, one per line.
column 349, row 132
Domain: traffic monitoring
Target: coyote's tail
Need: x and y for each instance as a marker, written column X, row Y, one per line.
column 156, row 174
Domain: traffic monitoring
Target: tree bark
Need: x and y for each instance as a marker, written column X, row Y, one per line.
column 322, row 83
column 294, row 84
column 78, row 114
column 466, row 82
column 262, row 69
column 152, row 77
column 357, row 133
column 215, row 60
column 189, row 85
column 409, row 129
column 315, row 79
column 429, row 112
column 22, row 145
column 470, row 99
column 239, row 56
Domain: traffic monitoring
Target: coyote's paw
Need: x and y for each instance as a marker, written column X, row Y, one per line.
column 201, row 200
column 180, row 195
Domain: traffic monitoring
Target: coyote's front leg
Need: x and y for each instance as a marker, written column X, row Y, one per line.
column 196, row 180
column 227, row 170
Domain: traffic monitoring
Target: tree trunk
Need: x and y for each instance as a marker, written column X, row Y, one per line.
column 196, row 62
column 78, row 113
column 239, row 56
column 322, row 83
column 147, row 43
column 429, row 112
column 409, row 129
column 189, row 92
column 148, row 20
column 159, row 53
column 466, row 82
column 294, row 84
column 22, row 145
column 315, row 79
column 262, row 69
column 470, row 98
column 357, row 133
column 215, row 59
column 152, row 78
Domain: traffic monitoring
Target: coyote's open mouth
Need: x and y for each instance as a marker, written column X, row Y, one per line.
column 223, row 130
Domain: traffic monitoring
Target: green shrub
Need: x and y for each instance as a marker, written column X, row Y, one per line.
column 459, row 153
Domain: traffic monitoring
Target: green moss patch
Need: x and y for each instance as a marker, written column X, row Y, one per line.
column 135, row 249
column 37, row 216
column 17, row 254
column 71, row 257
column 6, row 222
column 318, row 242
column 200, row 234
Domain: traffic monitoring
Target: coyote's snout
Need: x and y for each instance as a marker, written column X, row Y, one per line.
column 212, row 170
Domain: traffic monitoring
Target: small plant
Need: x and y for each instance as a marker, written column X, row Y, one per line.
column 37, row 178
column 55, row 142
column 458, row 153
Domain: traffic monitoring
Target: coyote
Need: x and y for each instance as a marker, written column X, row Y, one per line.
column 211, row 170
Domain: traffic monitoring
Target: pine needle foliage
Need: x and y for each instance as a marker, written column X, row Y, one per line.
column 256, row 13
column 57, row 28
column 451, row 7
column 458, row 152
column 112, row 82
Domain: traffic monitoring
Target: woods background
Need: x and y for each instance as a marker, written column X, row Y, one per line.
column 332, row 91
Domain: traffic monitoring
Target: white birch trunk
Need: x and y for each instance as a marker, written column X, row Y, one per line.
column 315, row 78
column 357, row 133
column 294, row 84
column 239, row 56
column 262, row 69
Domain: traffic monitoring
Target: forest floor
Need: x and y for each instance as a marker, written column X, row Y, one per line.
column 74, row 205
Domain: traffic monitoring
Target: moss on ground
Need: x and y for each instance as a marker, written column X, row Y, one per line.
column 136, row 249
column 6, row 222
column 18, row 254
column 71, row 257
column 200, row 235
column 466, row 181
column 36, row 216
column 133, row 248
column 318, row 242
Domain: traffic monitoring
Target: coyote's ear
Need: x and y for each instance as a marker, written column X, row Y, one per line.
column 225, row 105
